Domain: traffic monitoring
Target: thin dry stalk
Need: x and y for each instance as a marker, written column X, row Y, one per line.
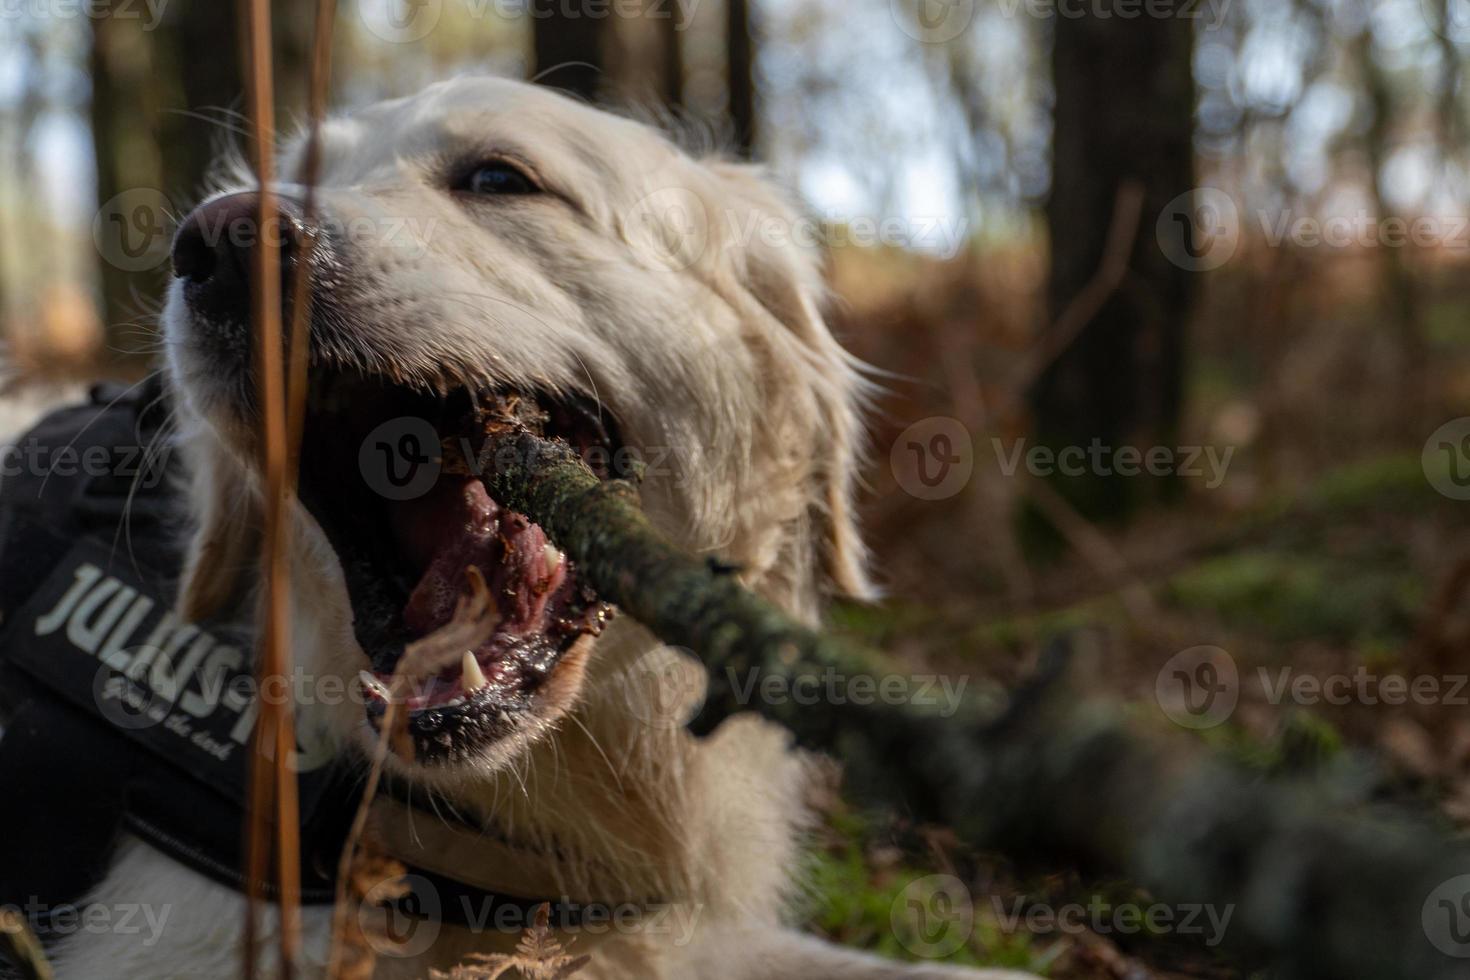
column 272, row 781
column 1098, row 551
column 374, row 875
column 22, row 948
column 1090, row 542
column 1069, row 324
column 475, row 619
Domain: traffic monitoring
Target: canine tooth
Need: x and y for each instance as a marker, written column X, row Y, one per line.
column 473, row 678
column 553, row 557
column 373, row 686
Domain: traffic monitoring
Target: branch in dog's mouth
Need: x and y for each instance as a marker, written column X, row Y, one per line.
column 416, row 524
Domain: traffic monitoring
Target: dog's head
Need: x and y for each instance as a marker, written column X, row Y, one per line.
column 490, row 243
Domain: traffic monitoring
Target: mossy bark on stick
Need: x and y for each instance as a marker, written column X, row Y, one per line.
column 742, row 639
column 1309, row 886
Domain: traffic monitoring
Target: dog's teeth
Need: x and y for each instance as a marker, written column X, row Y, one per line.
column 371, row 685
column 553, row 557
column 472, row 677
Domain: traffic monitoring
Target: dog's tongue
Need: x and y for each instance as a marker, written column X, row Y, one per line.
column 457, row 525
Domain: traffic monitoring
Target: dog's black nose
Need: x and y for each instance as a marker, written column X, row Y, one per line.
column 214, row 250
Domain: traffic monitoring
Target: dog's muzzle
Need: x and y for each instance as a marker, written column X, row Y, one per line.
column 214, row 257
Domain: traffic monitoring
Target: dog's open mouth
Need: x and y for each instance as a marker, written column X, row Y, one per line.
column 389, row 472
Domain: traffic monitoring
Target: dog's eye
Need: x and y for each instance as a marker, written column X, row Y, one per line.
column 498, row 178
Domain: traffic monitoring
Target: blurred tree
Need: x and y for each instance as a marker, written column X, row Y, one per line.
column 1123, row 114
column 204, row 95
column 628, row 60
column 645, row 59
column 164, row 104
column 124, row 114
column 1400, row 300
column 740, row 73
column 568, row 49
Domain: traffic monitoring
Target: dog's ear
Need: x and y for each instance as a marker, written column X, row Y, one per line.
column 770, row 264
column 225, row 539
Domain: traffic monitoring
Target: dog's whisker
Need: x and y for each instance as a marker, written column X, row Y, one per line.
column 237, row 130
column 161, row 436
column 126, row 392
column 597, row 744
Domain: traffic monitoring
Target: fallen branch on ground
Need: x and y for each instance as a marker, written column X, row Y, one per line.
column 1318, row 892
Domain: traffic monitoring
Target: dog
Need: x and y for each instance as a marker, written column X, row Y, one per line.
column 490, row 240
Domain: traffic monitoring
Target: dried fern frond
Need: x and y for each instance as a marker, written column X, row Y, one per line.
column 539, row 955
column 372, row 872
column 475, row 618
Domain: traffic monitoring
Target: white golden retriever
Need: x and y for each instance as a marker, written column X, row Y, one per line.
column 481, row 239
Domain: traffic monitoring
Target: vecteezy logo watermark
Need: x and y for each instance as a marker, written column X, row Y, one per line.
column 1446, row 917
column 675, row 223
column 134, row 230
column 1106, row 918
column 1364, row 687
column 401, row 458
column 566, row 916
column 404, row 21
column 149, row 11
column 400, row 915
column 53, row 922
column 143, row 465
column 400, row 21
column 833, row 687
column 1211, row 13
column 1101, row 460
column 666, row 687
column 933, row 916
column 1446, row 459
column 932, row 21
column 1362, row 229
column 933, row 458
column 1199, row 687
column 1199, row 230
column 382, row 230
column 677, row 226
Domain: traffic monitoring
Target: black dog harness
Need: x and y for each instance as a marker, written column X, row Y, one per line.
column 117, row 716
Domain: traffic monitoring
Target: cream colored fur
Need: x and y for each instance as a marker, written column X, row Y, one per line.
column 703, row 339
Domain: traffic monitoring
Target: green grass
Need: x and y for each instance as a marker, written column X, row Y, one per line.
column 861, row 906
column 1291, row 596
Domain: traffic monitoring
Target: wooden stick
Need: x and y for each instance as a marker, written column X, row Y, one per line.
column 699, row 604
column 1317, row 890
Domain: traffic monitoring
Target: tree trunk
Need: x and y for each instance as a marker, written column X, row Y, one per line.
column 568, row 51
column 645, row 60
column 163, row 106
column 1400, row 294
column 1123, row 113
column 129, row 171
column 740, row 74
column 201, row 94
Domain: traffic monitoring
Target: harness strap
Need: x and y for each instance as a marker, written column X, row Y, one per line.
column 119, row 717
